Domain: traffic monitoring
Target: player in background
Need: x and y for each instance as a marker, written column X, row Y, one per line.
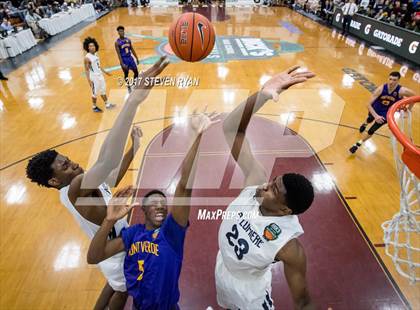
column 249, row 247
column 154, row 250
column 94, row 74
column 124, row 49
column 382, row 99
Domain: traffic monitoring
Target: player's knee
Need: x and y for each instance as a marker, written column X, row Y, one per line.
column 371, row 130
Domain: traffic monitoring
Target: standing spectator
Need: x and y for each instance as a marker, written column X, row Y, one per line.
column 329, row 11
column 348, row 11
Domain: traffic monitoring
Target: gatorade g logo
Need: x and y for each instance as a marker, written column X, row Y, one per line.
column 413, row 47
column 200, row 27
column 271, row 232
column 367, row 28
column 337, row 17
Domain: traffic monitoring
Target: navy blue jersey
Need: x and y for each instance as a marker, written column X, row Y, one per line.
column 385, row 100
column 153, row 263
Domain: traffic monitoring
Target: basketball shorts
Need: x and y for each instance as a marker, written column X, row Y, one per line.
column 98, row 85
column 113, row 270
column 130, row 63
column 237, row 292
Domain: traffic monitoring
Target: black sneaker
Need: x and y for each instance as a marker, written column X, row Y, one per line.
column 97, row 110
column 353, row 149
column 362, row 128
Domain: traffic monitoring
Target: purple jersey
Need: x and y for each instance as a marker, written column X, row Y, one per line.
column 125, row 47
column 385, row 100
column 153, row 264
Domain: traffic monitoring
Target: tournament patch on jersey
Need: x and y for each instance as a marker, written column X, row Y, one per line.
column 155, row 233
column 271, row 232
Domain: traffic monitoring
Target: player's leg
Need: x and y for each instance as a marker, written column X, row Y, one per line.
column 126, row 79
column 95, row 88
column 131, row 64
column 118, row 301
column 102, row 91
column 369, row 120
column 104, row 298
column 366, row 136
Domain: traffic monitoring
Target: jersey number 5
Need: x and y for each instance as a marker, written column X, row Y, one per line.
column 141, row 269
column 240, row 247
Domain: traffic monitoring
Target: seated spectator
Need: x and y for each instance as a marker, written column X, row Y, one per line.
column 56, row 7
column 6, row 25
column 32, row 19
column 64, row 7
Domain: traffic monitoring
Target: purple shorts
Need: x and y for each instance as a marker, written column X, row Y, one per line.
column 130, row 63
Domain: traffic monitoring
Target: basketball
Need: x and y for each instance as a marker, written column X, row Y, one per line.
column 192, row 37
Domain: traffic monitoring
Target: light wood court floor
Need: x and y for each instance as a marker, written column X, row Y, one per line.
column 46, row 103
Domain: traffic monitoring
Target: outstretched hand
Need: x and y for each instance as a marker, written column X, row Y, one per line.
column 118, row 206
column 145, row 83
column 200, row 122
column 284, row 80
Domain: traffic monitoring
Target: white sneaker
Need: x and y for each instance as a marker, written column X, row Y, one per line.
column 110, row 106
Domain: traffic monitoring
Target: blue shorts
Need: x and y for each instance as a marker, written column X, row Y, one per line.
column 130, row 63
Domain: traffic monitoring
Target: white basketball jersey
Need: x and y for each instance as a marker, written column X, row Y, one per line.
column 88, row 227
column 95, row 67
column 248, row 247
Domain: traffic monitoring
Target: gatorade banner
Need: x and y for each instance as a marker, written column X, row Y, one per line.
column 400, row 41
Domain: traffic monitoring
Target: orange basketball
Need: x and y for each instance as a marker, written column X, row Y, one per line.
column 192, row 37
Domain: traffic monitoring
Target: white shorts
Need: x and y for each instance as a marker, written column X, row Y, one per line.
column 236, row 293
column 99, row 85
column 113, row 270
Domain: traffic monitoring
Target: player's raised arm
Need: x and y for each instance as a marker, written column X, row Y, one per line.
column 236, row 124
column 294, row 259
column 100, row 247
column 112, row 149
column 117, row 174
column 181, row 209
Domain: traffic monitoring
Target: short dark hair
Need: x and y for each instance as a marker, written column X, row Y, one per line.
column 395, row 74
column 89, row 40
column 152, row 192
column 299, row 192
column 39, row 168
column 120, row 27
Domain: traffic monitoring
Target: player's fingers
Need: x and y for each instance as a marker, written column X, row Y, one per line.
column 125, row 192
column 161, row 68
column 291, row 69
column 214, row 115
column 129, row 207
column 306, row 74
column 298, row 80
